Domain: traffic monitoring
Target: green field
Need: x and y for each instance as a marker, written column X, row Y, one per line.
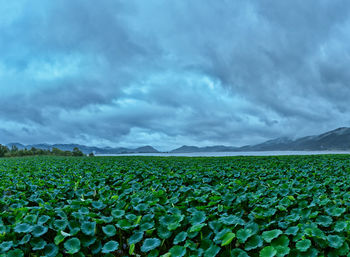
column 175, row 206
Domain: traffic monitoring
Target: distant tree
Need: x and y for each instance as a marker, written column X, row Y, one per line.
column 91, row 154
column 33, row 151
column 14, row 149
column 56, row 151
column 15, row 152
column 67, row 153
column 3, row 150
column 77, row 152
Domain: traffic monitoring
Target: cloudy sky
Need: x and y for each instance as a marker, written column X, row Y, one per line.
column 168, row 73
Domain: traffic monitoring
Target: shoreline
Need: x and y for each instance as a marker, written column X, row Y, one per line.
column 223, row 154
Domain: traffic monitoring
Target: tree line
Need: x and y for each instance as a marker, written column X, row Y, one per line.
column 15, row 152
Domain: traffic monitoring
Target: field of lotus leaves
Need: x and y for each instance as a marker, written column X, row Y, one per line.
column 175, row 206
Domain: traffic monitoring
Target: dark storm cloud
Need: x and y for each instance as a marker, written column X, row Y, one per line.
column 171, row 73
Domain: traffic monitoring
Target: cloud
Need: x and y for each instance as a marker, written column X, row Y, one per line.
column 172, row 73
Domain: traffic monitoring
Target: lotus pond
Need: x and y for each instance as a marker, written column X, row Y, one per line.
column 175, row 206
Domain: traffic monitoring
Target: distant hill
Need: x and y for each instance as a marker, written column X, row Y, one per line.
column 88, row 149
column 192, row 149
column 338, row 139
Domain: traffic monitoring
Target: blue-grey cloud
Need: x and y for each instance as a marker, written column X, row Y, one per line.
column 171, row 73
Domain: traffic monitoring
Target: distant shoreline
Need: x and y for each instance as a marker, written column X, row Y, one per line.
column 222, row 154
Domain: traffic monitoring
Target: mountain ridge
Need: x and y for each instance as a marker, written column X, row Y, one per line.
column 337, row 139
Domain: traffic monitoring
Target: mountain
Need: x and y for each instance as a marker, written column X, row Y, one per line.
column 216, row 148
column 338, row 139
column 18, row 145
column 87, row 149
column 186, row 149
column 146, row 149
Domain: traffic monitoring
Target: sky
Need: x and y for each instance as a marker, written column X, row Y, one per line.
column 171, row 73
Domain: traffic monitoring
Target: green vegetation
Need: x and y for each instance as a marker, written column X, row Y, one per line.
column 154, row 206
column 15, row 152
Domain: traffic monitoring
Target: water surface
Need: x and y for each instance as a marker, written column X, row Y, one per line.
column 218, row 154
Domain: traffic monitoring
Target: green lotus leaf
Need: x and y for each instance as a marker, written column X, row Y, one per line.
column 135, row 238
column 215, row 225
column 303, row 245
column 197, row 218
column 30, row 218
column 37, row 244
column 212, row 251
column 98, row 205
column 340, row 226
column 177, row 251
column 124, row 224
column 73, row 231
column 282, row 250
column 335, row 241
column 293, row 218
column 96, row 247
column 43, row 219
column 88, row 228
column 51, row 250
column 23, row 228
column 180, row 237
column 243, row 234
column 109, row 230
column 86, row 241
column 227, row 238
column 25, row 239
column 153, row 253
column 163, row 232
column 146, row 226
column 118, row 214
column 149, row 244
column 253, row 227
column 253, row 243
column 238, row 253
column 268, row 251
column 60, row 224
column 59, row 239
column 220, row 234
column 197, row 227
column 232, row 220
column 175, row 225
column 324, row 220
column 141, row 207
column 72, row 245
column 131, row 217
column 268, row 236
column 84, row 210
column 39, row 230
column 316, row 232
column 15, row 253
column 110, row 246
column 192, row 234
column 320, row 242
column 312, row 252
column 336, row 211
column 107, row 219
column 5, row 246
column 167, row 220
column 343, row 250
column 292, row 231
column 3, row 229
column 280, row 241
